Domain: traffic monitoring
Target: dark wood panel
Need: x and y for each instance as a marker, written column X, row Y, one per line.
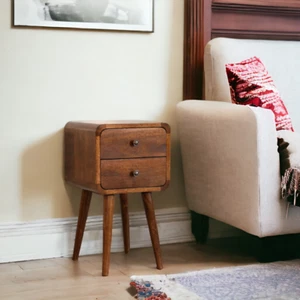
column 119, row 173
column 133, row 143
column 276, row 3
column 256, row 19
column 197, row 33
column 267, row 26
column 255, row 9
column 256, row 35
column 80, row 166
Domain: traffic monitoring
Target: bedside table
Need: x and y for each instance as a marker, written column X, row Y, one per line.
column 112, row 158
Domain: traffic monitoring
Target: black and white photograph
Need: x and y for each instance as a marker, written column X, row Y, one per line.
column 127, row 15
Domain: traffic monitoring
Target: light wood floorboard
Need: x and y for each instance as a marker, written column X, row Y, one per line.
column 61, row 278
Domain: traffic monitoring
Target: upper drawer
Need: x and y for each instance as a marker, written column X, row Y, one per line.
column 132, row 143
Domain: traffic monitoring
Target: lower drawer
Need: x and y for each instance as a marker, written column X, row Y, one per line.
column 133, row 173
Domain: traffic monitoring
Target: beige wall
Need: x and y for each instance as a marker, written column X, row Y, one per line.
column 48, row 77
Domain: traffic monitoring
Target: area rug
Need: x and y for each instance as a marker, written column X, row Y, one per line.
column 268, row 281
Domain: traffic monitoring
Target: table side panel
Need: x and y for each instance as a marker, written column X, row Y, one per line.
column 80, row 157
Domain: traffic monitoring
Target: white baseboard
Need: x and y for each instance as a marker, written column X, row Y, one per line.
column 55, row 237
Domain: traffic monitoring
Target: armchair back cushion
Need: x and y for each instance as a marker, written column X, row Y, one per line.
column 281, row 58
column 251, row 84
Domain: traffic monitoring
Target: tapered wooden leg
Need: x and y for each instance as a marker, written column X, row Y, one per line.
column 108, row 212
column 150, row 214
column 83, row 213
column 125, row 221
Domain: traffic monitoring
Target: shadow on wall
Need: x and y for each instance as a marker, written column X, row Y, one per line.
column 44, row 192
column 175, row 193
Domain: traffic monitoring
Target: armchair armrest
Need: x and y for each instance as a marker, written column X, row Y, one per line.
column 230, row 161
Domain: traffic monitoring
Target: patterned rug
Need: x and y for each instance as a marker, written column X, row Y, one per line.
column 269, row 281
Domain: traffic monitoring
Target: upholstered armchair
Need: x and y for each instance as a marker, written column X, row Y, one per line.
column 229, row 152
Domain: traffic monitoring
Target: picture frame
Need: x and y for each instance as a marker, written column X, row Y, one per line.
column 120, row 15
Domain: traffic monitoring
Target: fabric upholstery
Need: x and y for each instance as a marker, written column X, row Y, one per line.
column 229, row 152
column 251, row 84
column 229, row 175
column 281, row 59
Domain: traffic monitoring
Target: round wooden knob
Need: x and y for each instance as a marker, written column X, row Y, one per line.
column 135, row 173
column 135, row 143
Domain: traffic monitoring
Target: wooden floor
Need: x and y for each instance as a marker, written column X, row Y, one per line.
column 61, row 278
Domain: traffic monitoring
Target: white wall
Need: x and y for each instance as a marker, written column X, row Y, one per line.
column 51, row 76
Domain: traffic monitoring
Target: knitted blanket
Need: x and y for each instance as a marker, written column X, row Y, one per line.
column 289, row 153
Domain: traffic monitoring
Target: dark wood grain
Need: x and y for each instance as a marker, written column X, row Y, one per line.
column 80, row 156
column 120, row 143
column 118, row 173
column 108, row 212
column 246, row 19
column 168, row 162
column 252, row 21
column 82, row 144
column 125, row 221
column 99, row 157
column 197, row 32
column 254, row 9
column 83, row 214
column 275, row 3
column 150, row 214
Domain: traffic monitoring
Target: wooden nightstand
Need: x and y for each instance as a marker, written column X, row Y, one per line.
column 117, row 157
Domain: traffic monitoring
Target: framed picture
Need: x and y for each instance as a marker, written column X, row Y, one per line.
column 126, row 15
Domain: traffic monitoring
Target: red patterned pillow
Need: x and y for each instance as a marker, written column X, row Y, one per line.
column 251, row 84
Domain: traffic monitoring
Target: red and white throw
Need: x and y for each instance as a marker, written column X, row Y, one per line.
column 251, row 84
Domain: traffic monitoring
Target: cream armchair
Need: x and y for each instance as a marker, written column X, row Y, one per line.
column 229, row 151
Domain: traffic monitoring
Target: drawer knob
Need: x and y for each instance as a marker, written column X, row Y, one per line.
column 134, row 143
column 135, row 173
